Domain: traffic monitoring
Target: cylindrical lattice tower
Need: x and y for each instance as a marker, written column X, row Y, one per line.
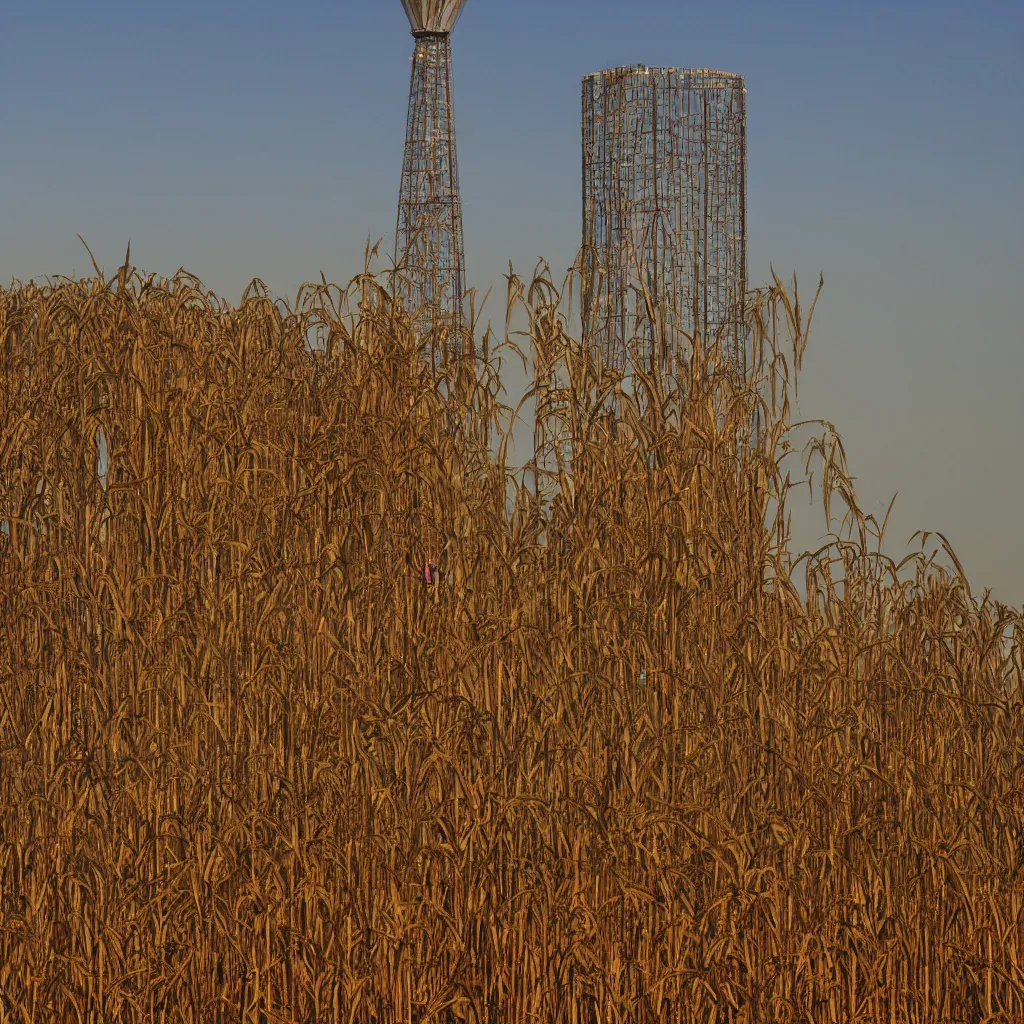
column 429, row 235
column 664, row 213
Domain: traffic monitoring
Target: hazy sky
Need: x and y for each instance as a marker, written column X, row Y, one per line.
column 886, row 143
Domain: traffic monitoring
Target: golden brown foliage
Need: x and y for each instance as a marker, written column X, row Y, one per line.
column 615, row 767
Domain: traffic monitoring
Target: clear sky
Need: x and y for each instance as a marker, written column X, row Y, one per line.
column 886, row 145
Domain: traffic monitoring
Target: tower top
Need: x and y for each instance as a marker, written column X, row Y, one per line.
column 433, row 15
column 693, row 78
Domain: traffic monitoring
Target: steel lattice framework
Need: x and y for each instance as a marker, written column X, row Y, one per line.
column 429, row 251
column 664, row 213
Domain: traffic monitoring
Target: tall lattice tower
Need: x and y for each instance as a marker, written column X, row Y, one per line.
column 664, row 213
column 664, row 227
column 429, row 235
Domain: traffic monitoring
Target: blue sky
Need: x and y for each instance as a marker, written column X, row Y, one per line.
column 886, row 145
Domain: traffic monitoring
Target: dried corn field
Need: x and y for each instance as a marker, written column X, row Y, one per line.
column 629, row 760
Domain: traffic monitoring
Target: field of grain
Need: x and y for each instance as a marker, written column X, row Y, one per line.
column 630, row 759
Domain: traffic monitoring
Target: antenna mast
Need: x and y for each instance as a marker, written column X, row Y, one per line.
column 428, row 239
